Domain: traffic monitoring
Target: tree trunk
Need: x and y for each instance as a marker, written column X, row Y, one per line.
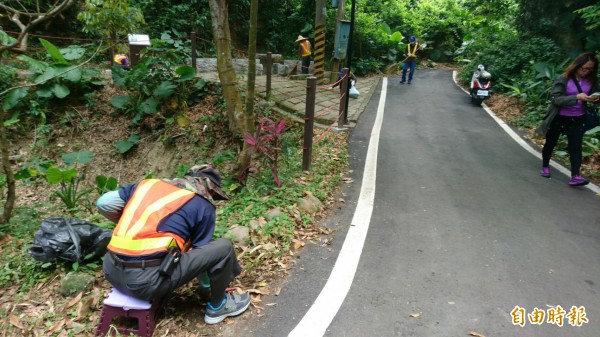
column 10, row 178
column 227, row 75
column 249, row 117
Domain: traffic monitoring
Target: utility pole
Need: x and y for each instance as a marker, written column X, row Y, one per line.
column 335, row 65
column 349, row 56
column 320, row 40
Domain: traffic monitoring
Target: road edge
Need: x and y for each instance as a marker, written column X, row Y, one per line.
column 591, row 186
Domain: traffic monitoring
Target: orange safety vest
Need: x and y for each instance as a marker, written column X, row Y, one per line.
column 119, row 58
column 305, row 45
column 136, row 233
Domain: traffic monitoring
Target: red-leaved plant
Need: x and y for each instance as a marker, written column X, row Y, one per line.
column 267, row 142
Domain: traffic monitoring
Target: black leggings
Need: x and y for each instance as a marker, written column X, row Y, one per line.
column 573, row 128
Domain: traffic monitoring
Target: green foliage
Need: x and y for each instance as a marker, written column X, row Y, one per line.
column 364, row 67
column 564, row 22
column 182, row 16
column 80, row 157
column 181, row 170
column 103, row 17
column 35, row 167
column 69, row 180
column 260, row 192
column 123, row 146
column 56, row 79
column 221, row 157
column 7, row 76
column 154, row 82
column 173, row 46
column 6, row 40
column 106, row 184
column 591, row 142
column 591, row 15
column 13, row 98
column 507, row 56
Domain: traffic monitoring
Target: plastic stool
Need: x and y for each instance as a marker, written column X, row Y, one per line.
column 118, row 304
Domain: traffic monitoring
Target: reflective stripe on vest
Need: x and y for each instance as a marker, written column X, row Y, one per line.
column 305, row 48
column 136, row 233
column 414, row 52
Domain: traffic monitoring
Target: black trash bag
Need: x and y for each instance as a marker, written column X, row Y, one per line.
column 69, row 240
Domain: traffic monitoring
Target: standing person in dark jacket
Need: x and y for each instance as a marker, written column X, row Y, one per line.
column 566, row 114
column 163, row 240
column 410, row 62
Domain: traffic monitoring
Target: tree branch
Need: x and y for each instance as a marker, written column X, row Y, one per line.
column 15, row 16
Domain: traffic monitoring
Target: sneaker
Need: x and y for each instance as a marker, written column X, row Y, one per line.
column 545, row 172
column 408, row 82
column 402, row 82
column 578, row 180
column 233, row 305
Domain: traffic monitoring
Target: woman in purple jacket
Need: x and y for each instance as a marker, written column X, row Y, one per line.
column 570, row 93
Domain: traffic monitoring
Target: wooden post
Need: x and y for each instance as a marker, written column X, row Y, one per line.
column 311, row 90
column 193, row 36
column 113, row 41
column 268, row 72
column 343, row 119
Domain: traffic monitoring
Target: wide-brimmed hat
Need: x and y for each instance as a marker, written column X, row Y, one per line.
column 204, row 180
column 300, row 38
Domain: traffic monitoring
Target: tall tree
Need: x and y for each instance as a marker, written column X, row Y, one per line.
column 556, row 19
column 249, row 117
column 227, row 75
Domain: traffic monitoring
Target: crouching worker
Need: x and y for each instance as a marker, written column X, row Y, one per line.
column 163, row 240
column 122, row 60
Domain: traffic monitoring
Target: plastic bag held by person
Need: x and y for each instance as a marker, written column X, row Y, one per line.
column 69, row 240
column 353, row 92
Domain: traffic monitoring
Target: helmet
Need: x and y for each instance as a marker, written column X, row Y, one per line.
column 412, row 38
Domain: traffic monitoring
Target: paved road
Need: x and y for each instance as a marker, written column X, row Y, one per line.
column 462, row 231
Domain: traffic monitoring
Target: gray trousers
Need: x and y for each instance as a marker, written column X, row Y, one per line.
column 217, row 259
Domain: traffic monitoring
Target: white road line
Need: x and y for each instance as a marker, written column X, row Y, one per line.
column 523, row 144
column 329, row 301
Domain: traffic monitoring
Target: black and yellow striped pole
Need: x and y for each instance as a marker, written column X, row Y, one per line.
column 319, row 49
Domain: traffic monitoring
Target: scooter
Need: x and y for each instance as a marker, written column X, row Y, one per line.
column 481, row 85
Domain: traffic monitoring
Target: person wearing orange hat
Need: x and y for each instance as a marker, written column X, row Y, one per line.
column 304, row 50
